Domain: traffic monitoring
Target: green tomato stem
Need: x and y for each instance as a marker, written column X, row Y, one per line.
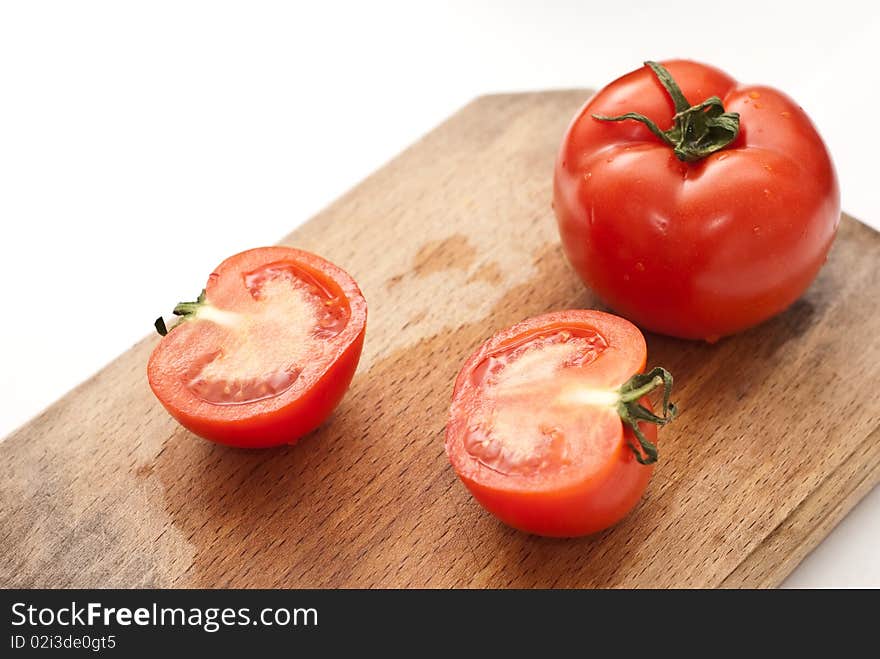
column 697, row 130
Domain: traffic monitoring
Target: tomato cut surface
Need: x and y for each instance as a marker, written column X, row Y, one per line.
column 534, row 429
column 266, row 353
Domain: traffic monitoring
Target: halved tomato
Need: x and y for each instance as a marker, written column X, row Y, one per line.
column 265, row 353
column 550, row 428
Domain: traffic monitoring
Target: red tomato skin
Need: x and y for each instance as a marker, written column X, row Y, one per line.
column 695, row 250
column 283, row 419
column 576, row 512
column 593, row 503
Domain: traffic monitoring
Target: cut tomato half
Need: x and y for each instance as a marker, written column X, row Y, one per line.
column 265, row 353
column 550, row 427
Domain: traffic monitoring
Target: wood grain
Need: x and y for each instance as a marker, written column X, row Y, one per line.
column 450, row 241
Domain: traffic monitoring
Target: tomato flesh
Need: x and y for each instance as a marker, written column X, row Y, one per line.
column 270, row 353
column 519, row 426
column 533, row 432
column 264, row 351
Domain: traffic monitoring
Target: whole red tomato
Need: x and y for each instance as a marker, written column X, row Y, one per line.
column 696, row 221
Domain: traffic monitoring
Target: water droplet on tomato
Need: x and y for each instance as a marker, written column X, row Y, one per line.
column 640, row 267
column 785, row 113
column 756, row 229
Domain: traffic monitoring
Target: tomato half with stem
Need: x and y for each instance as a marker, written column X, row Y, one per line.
column 265, row 353
column 550, row 427
column 694, row 205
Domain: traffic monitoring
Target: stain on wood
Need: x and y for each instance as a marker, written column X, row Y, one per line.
column 450, row 241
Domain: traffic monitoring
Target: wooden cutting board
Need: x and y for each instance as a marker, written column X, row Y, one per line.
column 777, row 439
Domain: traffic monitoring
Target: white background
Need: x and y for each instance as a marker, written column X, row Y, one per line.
column 142, row 142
